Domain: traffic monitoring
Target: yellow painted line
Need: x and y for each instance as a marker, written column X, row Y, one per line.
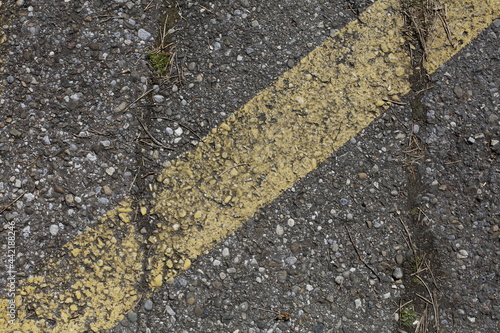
column 261, row 150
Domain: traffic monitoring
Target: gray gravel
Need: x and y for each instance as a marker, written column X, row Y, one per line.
column 333, row 251
column 67, row 146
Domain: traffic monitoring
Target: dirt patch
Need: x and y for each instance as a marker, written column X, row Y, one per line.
column 419, row 307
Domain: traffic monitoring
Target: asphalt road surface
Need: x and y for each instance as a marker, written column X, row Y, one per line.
column 297, row 166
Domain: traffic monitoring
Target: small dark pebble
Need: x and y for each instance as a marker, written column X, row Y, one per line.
column 319, row 328
column 132, row 317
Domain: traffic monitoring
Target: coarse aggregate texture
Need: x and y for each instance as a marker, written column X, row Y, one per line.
column 461, row 178
column 277, row 138
column 68, row 150
column 296, row 255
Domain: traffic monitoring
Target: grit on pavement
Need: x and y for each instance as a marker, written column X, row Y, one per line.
column 400, row 224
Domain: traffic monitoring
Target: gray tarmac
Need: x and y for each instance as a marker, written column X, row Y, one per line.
column 398, row 226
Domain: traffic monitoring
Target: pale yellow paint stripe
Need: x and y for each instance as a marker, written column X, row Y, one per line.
column 260, row 151
column 465, row 19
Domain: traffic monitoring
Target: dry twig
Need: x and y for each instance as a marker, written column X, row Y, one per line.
column 285, row 316
column 359, row 255
column 158, row 142
column 11, row 203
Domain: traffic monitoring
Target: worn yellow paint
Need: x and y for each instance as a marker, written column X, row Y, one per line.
column 89, row 286
column 464, row 19
column 245, row 163
column 278, row 137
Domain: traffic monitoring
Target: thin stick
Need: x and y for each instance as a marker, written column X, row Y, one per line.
column 432, row 275
column 234, row 166
column 419, row 33
column 149, row 5
column 272, row 311
column 446, row 27
column 359, row 256
column 154, row 145
column 111, row 18
column 425, row 299
column 393, row 101
column 152, row 137
column 414, row 250
column 180, row 124
column 133, row 181
column 433, row 302
column 422, row 322
column 422, row 90
column 13, row 202
column 138, row 99
column 402, row 305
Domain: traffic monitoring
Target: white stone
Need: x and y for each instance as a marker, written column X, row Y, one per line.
column 279, row 230
column 462, row 254
column 110, row 171
column 158, row 98
column 54, row 229
column 91, row 157
column 178, row 131
column 143, row 34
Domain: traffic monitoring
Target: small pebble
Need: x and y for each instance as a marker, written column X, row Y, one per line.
column 216, row 46
column 190, row 300
column 279, row 230
column 399, row 259
column 158, row 98
column 169, row 310
column 148, row 304
column 178, row 131
column 132, row 317
column 282, row 276
column 462, row 254
column 91, row 157
column 107, row 190
column 54, row 229
column 398, row 273
column 143, row 34
column 110, row 171
column 416, row 128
